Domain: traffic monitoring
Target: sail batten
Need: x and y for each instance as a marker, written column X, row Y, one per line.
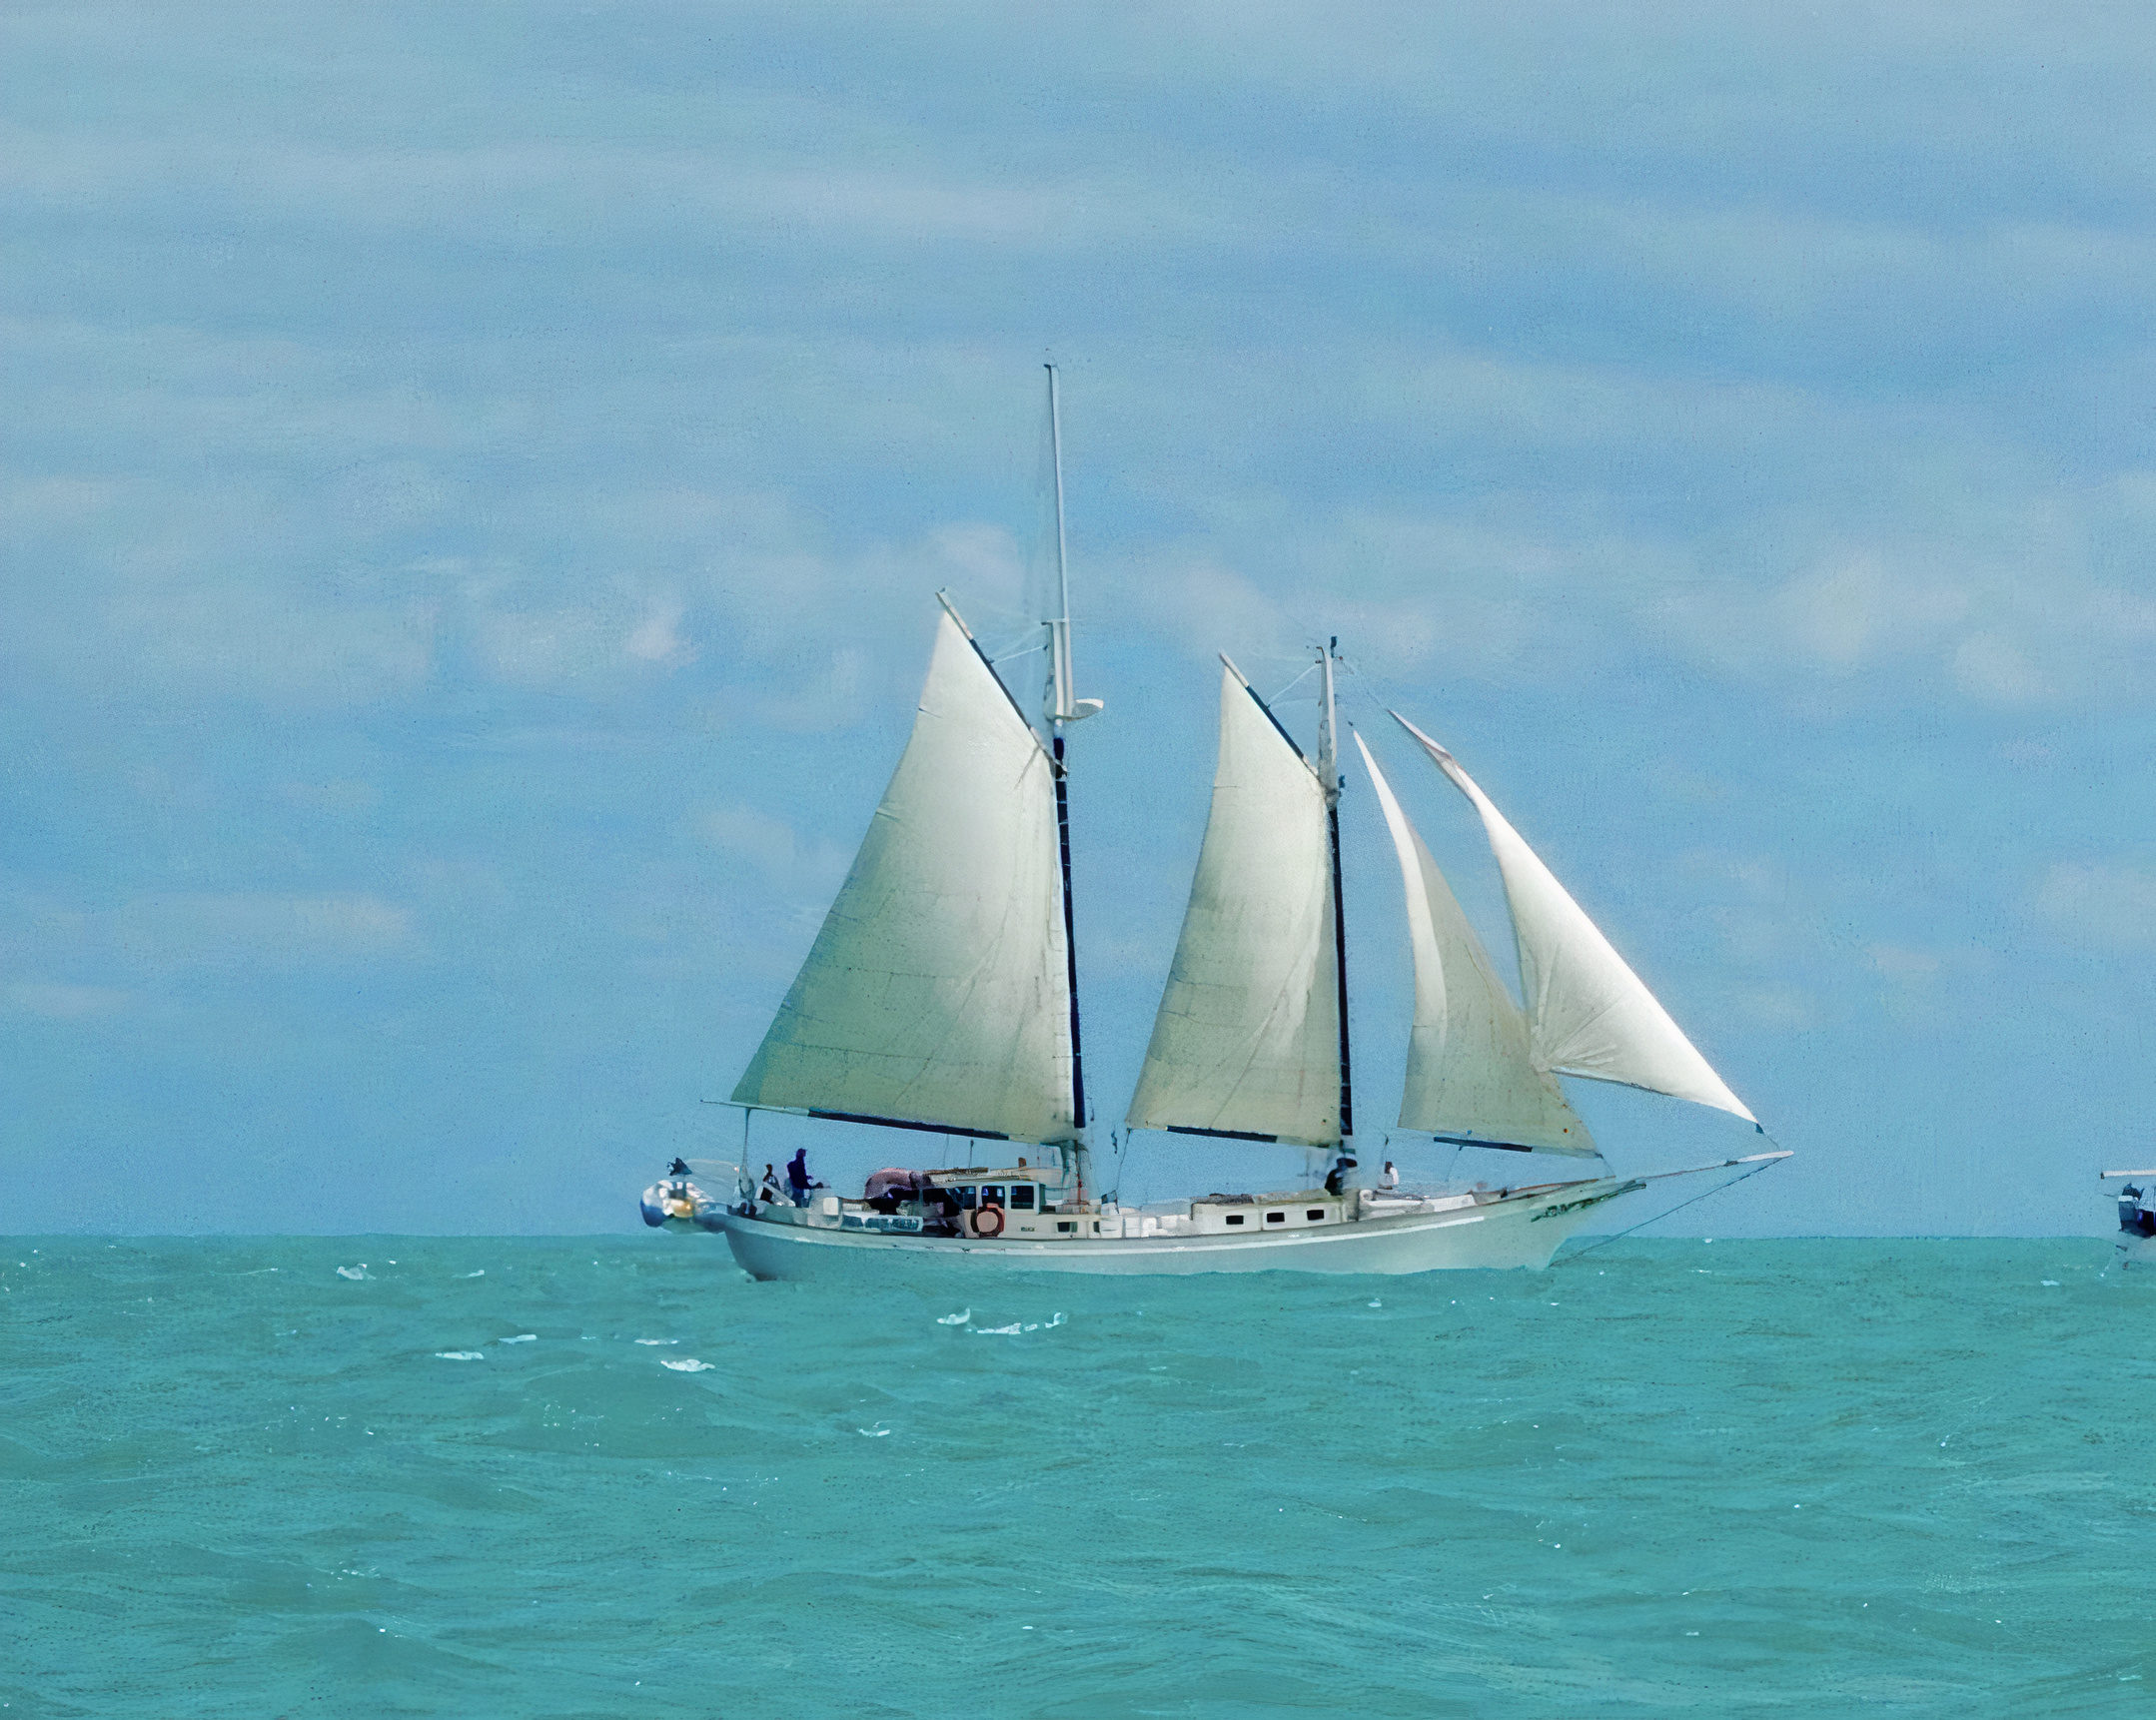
column 1470, row 1074
column 1247, row 1042
column 936, row 994
column 1589, row 1013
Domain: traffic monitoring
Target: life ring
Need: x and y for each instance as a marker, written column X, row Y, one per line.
column 981, row 1225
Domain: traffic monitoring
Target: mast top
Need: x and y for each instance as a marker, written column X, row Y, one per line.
column 1328, row 726
column 1061, row 704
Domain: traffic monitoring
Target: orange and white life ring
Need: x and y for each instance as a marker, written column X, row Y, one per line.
column 988, row 1222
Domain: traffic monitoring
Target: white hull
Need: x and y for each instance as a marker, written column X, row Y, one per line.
column 1524, row 1230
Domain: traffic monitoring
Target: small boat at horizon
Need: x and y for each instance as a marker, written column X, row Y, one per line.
column 941, row 996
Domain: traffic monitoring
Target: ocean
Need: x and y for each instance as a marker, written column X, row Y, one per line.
column 556, row 1477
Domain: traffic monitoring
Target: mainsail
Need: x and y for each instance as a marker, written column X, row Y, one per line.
column 1247, row 1042
column 937, row 994
column 1587, row 1013
column 1471, row 1074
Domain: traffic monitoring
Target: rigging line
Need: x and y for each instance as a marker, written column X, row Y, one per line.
column 1292, row 685
column 1012, row 656
column 1679, row 1208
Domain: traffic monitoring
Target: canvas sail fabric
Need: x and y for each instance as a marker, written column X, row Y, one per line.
column 1587, row 1013
column 1470, row 1073
column 937, row 991
column 1248, row 1035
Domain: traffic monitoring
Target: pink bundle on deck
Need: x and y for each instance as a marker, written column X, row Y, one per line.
column 891, row 1182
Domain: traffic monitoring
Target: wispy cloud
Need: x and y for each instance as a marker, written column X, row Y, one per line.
column 2107, row 905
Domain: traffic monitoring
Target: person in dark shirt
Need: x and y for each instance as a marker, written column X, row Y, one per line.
column 798, row 1180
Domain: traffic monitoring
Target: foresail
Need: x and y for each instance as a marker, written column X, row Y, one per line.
column 937, row 992
column 1587, row 1013
column 1471, row 1074
column 1246, row 1041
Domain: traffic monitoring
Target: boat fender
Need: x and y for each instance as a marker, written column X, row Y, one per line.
column 988, row 1222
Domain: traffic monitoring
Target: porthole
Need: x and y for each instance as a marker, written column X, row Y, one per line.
column 1315, row 1214
column 1235, row 1218
column 1275, row 1217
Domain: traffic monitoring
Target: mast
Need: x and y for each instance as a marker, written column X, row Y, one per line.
column 1062, row 709
column 1329, row 775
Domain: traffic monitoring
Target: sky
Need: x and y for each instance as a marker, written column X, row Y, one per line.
column 476, row 479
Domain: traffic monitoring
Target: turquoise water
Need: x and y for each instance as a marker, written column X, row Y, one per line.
column 1680, row 1477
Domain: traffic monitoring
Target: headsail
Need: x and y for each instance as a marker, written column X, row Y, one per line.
column 938, row 993
column 1471, row 1075
column 1247, row 1042
column 1587, row 1013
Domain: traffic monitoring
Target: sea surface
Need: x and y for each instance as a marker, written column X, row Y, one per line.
column 547, row 1477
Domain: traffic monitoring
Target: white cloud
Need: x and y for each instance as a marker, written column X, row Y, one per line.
column 1904, row 965
column 658, row 637
column 65, row 1001
column 801, row 868
column 1993, row 669
column 262, row 928
column 2105, row 905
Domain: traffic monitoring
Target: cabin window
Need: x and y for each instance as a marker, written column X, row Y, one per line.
column 966, row 1197
column 1275, row 1217
column 1235, row 1218
column 991, row 1194
column 1023, row 1197
column 1065, row 1225
column 1315, row 1214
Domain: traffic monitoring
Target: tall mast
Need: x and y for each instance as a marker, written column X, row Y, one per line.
column 1062, row 709
column 1329, row 774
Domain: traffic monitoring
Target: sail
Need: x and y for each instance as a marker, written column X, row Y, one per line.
column 1587, row 1013
column 1246, row 1041
column 938, row 993
column 1471, row 1075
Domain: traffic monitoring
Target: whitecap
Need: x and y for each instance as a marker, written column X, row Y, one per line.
column 1058, row 1321
column 461, row 1355
column 1375, row 1303
column 1010, row 1330
column 689, row 1365
column 521, row 1337
column 879, row 1431
column 482, row 1273
column 358, row 1271
column 955, row 1319
column 2049, row 1283
column 656, row 1342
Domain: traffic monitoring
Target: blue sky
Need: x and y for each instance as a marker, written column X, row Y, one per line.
column 476, row 479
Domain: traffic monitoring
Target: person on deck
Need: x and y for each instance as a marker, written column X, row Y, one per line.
column 1389, row 1178
column 770, row 1191
column 1336, row 1179
column 799, row 1180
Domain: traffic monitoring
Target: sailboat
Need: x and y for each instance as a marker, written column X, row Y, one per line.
column 941, row 996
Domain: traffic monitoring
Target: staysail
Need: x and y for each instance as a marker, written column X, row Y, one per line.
column 1587, row 1013
column 937, row 994
column 1471, row 1074
column 1247, row 1042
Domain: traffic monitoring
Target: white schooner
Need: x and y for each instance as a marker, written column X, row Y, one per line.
column 941, row 996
